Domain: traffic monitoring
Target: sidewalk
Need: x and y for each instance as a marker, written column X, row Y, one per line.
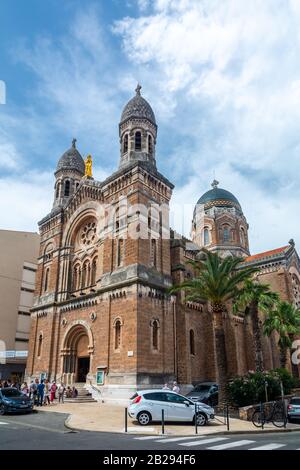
column 110, row 418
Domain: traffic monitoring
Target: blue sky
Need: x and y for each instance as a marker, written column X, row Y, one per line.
column 223, row 78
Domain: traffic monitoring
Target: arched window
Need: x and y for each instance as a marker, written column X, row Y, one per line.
column 192, row 342
column 225, row 234
column 67, row 188
column 40, row 344
column 150, row 145
column 46, row 282
column 242, row 235
column 206, row 236
column 138, row 141
column 85, row 275
column 120, row 252
column 118, row 327
column 155, row 327
column 76, row 277
column 94, row 270
column 125, row 143
column 153, row 257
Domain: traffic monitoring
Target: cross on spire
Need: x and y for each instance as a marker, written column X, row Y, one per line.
column 74, row 143
column 215, row 184
column 138, row 89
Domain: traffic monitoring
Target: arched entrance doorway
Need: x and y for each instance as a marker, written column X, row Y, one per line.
column 76, row 355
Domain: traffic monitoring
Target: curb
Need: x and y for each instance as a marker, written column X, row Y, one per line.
column 220, row 433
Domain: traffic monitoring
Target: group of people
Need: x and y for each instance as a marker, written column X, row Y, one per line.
column 42, row 392
column 175, row 387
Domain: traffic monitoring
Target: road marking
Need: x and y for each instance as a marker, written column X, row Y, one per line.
column 144, row 438
column 36, row 426
column 268, row 447
column 231, row 444
column 205, row 441
column 3, row 422
column 175, row 439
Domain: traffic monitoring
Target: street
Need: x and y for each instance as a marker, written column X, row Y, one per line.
column 46, row 431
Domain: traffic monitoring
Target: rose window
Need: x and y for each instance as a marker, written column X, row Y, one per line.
column 88, row 233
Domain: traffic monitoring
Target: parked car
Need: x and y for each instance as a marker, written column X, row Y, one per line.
column 293, row 409
column 13, row 401
column 147, row 406
column 205, row 392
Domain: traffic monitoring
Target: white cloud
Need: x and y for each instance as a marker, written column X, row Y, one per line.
column 25, row 200
column 228, row 72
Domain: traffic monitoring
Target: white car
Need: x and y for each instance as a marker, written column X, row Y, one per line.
column 147, row 406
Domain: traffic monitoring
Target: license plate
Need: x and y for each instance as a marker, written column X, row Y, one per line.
column 23, row 406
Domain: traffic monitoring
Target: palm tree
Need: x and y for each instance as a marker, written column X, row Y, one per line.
column 217, row 281
column 285, row 320
column 255, row 298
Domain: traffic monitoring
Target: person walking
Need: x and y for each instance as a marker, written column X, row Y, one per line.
column 175, row 388
column 61, row 393
column 47, row 393
column 52, row 391
column 166, row 387
column 40, row 393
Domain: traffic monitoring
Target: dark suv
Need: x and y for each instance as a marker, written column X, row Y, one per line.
column 206, row 392
column 13, row 401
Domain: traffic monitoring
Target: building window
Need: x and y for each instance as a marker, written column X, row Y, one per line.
column 85, row 275
column 46, row 283
column 206, row 236
column 138, row 141
column 76, row 277
column 192, row 342
column 67, row 188
column 225, row 234
column 118, row 327
column 150, row 145
column 94, row 270
column 40, row 344
column 242, row 234
column 125, row 143
column 155, row 327
column 153, row 256
column 120, row 252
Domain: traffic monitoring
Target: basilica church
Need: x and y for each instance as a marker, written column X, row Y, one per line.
column 102, row 313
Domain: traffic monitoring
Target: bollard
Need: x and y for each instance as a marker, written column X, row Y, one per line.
column 227, row 416
column 196, row 424
column 126, row 418
column 163, row 421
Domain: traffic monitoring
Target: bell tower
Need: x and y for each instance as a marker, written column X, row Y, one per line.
column 137, row 132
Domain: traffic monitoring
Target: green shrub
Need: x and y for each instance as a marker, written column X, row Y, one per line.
column 250, row 388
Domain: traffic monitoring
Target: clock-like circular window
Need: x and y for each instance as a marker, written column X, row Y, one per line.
column 88, row 233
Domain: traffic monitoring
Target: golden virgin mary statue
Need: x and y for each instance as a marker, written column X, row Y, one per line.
column 88, row 167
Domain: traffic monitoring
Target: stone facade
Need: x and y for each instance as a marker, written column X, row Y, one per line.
column 102, row 313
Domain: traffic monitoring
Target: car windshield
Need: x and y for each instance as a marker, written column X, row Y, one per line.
column 295, row 401
column 11, row 392
column 202, row 388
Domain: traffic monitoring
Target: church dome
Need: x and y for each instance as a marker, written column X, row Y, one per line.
column 219, row 196
column 138, row 107
column 71, row 160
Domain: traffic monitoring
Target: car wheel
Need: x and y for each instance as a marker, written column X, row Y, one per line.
column 201, row 419
column 2, row 409
column 144, row 418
